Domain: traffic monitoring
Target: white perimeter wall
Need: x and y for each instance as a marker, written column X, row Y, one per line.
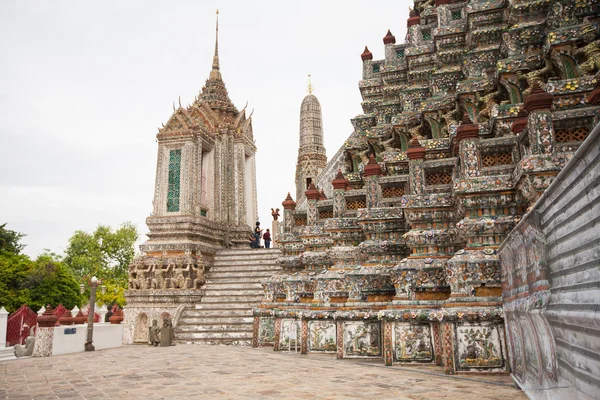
column 106, row 336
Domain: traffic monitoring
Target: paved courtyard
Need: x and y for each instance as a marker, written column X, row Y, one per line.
column 227, row 372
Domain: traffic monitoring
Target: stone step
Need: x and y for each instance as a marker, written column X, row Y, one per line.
column 217, row 341
column 231, row 305
column 234, row 257
column 241, row 252
column 218, row 312
column 232, row 286
column 231, row 298
column 233, row 327
column 216, row 319
column 245, row 266
column 8, row 353
column 211, row 335
column 235, row 275
column 222, row 281
column 232, row 292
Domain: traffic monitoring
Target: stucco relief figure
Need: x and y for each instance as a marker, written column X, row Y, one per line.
column 199, row 273
column 179, row 280
column 133, row 279
column 141, row 329
column 138, row 277
column 158, row 280
column 154, row 333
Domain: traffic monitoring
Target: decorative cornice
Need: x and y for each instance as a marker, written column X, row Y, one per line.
column 415, row 150
column 289, row 203
column 366, row 55
column 339, row 182
column 372, row 168
column 312, row 193
column 389, row 38
column 538, row 99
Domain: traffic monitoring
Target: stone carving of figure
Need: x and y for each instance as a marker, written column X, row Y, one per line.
column 137, row 277
column 158, row 281
column 179, row 280
column 27, row 348
column 141, row 328
column 510, row 43
column 133, row 280
column 226, row 238
column 275, row 214
column 154, row 333
column 167, row 333
column 199, row 279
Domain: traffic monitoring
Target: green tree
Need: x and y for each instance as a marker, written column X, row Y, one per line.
column 36, row 283
column 9, row 240
column 14, row 269
column 105, row 254
column 51, row 282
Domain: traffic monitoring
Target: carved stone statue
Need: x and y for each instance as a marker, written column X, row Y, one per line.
column 167, row 333
column 275, row 213
column 227, row 239
column 154, row 333
column 27, row 348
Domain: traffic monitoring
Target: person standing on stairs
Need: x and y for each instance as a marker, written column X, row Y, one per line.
column 257, row 234
column 267, row 239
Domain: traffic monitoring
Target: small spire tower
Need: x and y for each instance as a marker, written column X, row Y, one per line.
column 312, row 157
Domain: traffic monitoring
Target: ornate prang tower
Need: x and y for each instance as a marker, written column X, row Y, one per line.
column 311, row 153
column 204, row 200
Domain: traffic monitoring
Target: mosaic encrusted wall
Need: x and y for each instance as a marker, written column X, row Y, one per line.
column 463, row 128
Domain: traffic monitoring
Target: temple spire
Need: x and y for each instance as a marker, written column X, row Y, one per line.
column 310, row 86
column 216, row 56
column 214, row 91
column 215, row 74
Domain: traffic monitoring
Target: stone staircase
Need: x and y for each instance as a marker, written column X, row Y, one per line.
column 232, row 289
column 7, row 353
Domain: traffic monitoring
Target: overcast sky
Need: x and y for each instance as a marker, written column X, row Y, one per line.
column 84, row 86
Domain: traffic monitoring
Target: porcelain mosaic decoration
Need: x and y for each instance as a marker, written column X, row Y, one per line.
column 392, row 245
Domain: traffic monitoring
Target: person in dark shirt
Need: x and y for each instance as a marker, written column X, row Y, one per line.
column 267, row 239
column 257, row 234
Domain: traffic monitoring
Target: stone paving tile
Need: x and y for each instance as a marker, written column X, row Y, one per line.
column 227, row 372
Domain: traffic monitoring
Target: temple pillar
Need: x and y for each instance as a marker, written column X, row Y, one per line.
column 340, row 184
column 289, row 205
column 44, row 334
column 540, row 163
column 290, row 243
column 371, row 177
column 367, row 58
column 312, row 197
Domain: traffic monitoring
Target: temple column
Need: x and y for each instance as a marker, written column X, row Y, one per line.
column 312, row 197
column 541, row 163
column 44, row 334
column 291, row 245
column 289, row 205
column 371, row 177
column 315, row 239
column 340, row 184
column 422, row 276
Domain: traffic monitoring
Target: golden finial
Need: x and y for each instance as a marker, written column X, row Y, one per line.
column 310, row 86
